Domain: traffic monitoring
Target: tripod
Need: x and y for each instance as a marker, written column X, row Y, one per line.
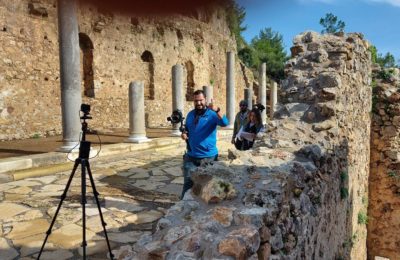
column 83, row 160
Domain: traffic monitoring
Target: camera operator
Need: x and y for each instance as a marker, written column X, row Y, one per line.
column 201, row 133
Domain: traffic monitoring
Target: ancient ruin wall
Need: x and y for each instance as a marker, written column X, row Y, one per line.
column 384, row 199
column 115, row 50
column 298, row 193
column 330, row 82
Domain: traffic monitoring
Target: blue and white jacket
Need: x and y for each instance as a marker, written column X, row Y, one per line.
column 203, row 133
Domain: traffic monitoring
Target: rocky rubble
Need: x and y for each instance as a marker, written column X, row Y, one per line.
column 295, row 195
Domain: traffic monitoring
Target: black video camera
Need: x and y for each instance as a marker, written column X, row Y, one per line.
column 259, row 107
column 176, row 117
column 85, row 109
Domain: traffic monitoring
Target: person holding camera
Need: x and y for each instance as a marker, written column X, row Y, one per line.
column 247, row 134
column 241, row 119
column 201, row 135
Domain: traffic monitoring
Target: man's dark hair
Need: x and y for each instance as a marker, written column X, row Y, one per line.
column 198, row 92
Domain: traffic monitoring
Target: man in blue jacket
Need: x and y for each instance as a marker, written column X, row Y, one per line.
column 201, row 134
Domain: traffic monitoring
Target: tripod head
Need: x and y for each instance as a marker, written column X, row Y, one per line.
column 85, row 109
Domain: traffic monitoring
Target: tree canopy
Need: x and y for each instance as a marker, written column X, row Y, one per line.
column 385, row 61
column 331, row 24
column 235, row 18
column 266, row 47
column 269, row 48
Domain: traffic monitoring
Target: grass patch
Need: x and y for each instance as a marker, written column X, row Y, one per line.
column 36, row 136
column 344, row 193
column 362, row 218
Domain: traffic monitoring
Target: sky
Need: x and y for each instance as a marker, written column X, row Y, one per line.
column 378, row 20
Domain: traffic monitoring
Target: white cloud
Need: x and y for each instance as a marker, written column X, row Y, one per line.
column 391, row 2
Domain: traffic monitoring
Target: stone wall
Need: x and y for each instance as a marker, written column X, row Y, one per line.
column 115, row 50
column 384, row 199
column 335, row 85
column 298, row 193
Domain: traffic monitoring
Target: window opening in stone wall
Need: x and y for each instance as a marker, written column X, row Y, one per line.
column 147, row 58
column 86, row 46
column 190, row 80
column 180, row 36
column 37, row 9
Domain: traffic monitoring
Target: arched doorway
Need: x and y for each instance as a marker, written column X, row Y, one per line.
column 147, row 58
column 190, row 80
column 86, row 45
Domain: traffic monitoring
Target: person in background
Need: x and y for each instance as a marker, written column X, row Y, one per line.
column 201, row 134
column 247, row 134
column 241, row 118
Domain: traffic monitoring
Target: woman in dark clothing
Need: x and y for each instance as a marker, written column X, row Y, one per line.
column 245, row 138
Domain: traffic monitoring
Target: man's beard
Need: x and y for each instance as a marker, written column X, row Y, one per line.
column 200, row 109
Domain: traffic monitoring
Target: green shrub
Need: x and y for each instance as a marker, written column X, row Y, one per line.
column 385, row 74
column 362, row 218
column 364, row 201
column 350, row 241
column 344, row 193
column 343, row 176
column 373, row 83
column 211, row 82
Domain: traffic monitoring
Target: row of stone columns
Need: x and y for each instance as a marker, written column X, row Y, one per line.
column 71, row 92
column 137, row 129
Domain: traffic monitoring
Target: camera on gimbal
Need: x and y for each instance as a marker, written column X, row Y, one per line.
column 176, row 117
column 259, row 107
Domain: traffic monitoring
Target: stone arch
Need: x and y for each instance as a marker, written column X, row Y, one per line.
column 147, row 58
column 86, row 45
column 189, row 80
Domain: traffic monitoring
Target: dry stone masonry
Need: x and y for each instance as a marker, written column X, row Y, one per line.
column 298, row 193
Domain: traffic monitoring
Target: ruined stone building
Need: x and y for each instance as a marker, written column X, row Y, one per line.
column 115, row 50
column 330, row 158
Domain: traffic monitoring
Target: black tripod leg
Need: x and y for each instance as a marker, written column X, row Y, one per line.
column 63, row 196
column 103, row 223
column 83, row 203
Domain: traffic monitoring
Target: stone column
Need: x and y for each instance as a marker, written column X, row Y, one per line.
column 70, row 78
column 273, row 99
column 262, row 90
column 248, row 96
column 230, row 88
column 208, row 91
column 137, row 128
column 177, row 94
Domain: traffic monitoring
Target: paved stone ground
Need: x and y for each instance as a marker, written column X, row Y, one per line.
column 135, row 191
